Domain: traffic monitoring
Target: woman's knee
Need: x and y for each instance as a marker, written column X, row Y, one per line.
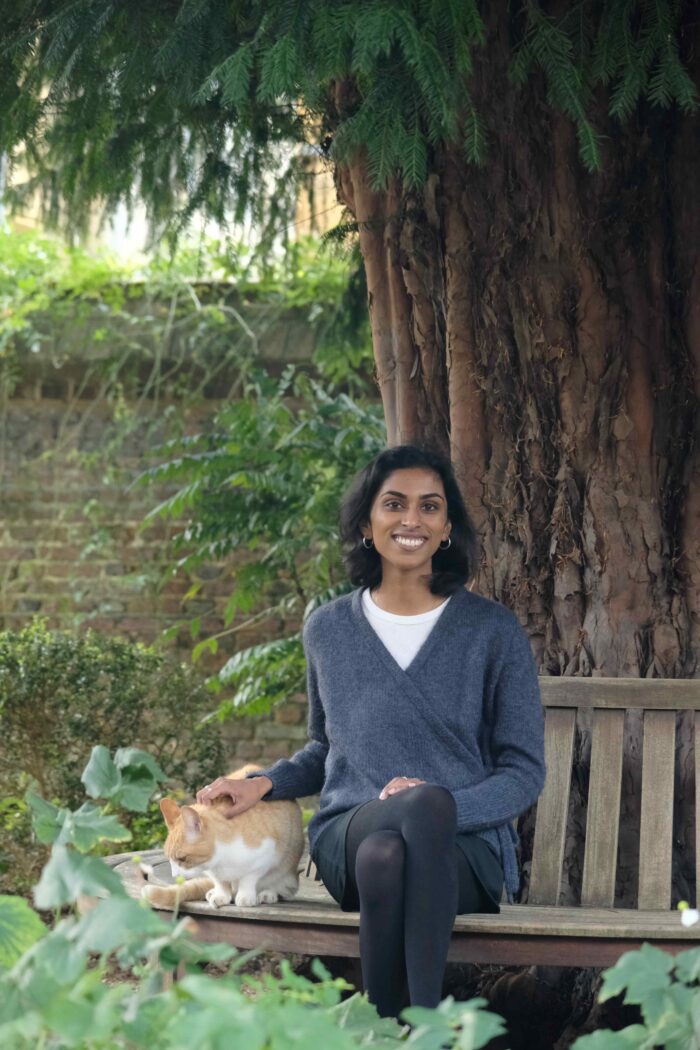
column 379, row 863
column 432, row 807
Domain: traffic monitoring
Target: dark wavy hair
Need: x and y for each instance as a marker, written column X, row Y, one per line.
column 452, row 568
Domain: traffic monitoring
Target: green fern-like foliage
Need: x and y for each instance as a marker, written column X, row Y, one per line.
column 193, row 106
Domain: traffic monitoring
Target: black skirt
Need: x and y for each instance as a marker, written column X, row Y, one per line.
column 329, row 856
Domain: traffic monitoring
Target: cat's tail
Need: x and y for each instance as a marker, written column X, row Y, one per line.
column 171, row 896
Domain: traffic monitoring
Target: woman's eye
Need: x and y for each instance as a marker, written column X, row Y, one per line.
column 395, row 503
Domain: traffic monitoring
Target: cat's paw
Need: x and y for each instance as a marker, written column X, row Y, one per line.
column 217, row 898
column 268, row 897
column 246, row 899
column 159, row 896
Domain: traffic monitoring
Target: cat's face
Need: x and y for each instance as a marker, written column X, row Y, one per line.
column 190, row 843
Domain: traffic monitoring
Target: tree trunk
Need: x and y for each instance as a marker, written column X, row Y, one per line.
column 542, row 325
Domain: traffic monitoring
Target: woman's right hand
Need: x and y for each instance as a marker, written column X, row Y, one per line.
column 243, row 793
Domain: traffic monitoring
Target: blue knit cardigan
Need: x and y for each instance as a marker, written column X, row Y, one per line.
column 465, row 714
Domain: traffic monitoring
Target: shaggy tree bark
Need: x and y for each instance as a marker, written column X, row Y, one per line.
column 542, row 325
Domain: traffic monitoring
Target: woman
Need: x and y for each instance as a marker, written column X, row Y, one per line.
column 425, row 727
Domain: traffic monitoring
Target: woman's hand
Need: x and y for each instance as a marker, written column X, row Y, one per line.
column 243, row 793
column 399, row 784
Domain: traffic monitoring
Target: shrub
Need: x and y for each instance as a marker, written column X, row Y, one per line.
column 62, row 693
column 265, row 485
column 665, row 988
column 53, row 987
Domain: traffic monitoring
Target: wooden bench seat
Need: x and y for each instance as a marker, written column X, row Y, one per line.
column 592, row 934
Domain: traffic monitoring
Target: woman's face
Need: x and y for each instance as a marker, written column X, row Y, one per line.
column 408, row 518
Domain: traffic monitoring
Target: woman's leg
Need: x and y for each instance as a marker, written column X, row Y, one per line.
column 379, row 883
column 407, row 909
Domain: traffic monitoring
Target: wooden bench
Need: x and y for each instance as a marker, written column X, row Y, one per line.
column 593, row 933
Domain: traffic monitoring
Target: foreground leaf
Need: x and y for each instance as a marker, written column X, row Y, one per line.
column 69, row 875
column 463, row 1025
column 87, row 827
column 20, row 927
column 47, row 819
column 118, row 921
column 100, row 776
column 636, row 1035
column 84, row 828
column 128, row 780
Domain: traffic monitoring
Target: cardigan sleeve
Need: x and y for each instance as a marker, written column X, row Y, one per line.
column 303, row 773
column 516, row 744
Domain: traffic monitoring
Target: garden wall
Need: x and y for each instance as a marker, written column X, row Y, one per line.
column 72, row 543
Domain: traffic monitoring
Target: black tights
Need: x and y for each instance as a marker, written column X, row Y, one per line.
column 409, row 879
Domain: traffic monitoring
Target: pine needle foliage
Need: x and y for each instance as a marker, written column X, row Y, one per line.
column 194, row 105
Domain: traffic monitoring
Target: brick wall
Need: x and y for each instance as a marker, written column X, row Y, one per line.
column 72, row 548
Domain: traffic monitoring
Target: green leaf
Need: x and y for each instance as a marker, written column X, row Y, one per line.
column 357, row 1015
column 125, row 757
column 209, row 645
column 47, row 819
column 233, row 76
column 414, row 165
column 69, row 875
column 20, row 927
column 57, row 959
column 669, row 1017
column 119, row 921
column 474, row 136
column 129, row 780
column 23, row 1031
column 100, row 777
column 643, row 975
column 435, row 1028
column 87, row 1014
column 219, row 1017
column 134, row 792
column 687, row 965
column 589, row 144
column 87, row 826
column 634, row 1036
column 84, row 828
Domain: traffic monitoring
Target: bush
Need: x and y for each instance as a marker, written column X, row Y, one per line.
column 105, row 980
column 665, row 988
column 265, row 485
column 62, row 693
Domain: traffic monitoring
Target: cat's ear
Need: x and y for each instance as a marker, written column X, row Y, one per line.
column 192, row 819
column 170, row 811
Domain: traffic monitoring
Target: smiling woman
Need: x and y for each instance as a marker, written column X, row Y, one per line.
column 425, row 727
column 409, row 520
column 417, row 540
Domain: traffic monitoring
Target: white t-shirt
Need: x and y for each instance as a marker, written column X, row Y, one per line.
column 402, row 635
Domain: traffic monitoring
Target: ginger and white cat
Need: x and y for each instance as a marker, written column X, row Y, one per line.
column 250, row 859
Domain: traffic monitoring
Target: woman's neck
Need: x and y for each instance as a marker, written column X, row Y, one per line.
column 405, row 597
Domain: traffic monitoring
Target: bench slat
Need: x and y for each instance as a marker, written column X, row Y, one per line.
column 603, row 818
column 315, row 906
column 656, row 836
column 677, row 694
column 553, row 807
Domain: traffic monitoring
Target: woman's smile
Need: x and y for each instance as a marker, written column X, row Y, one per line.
column 409, row 542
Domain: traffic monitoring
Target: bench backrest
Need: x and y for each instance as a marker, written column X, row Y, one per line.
column 605, row 700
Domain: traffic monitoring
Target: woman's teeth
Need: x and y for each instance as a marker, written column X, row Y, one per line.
column 405, row 542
